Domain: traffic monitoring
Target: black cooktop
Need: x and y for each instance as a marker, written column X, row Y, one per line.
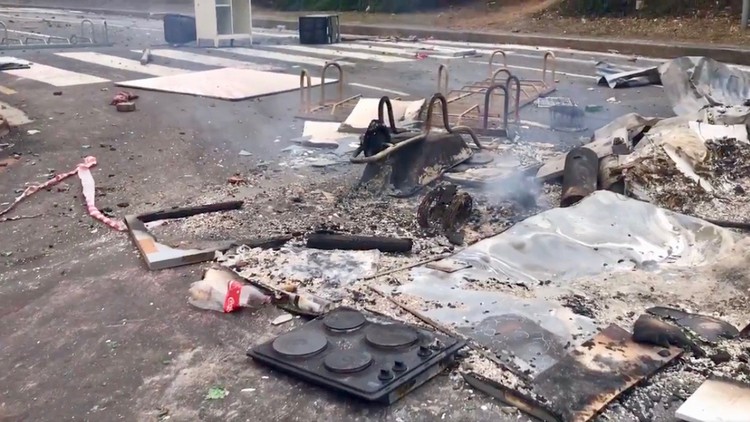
column 370, row 357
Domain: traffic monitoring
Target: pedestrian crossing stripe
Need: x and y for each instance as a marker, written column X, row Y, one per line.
column 282, row 57
column 411, row 52
column 120, row 63
column 333, row 52
column 206, row 59
column 312, row 56
column 54, row 76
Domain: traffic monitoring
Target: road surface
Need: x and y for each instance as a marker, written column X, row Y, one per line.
column 86, row 332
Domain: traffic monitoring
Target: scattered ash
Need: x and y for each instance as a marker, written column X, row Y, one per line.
column 728, row 158
column 580, row 305
column 726, row 168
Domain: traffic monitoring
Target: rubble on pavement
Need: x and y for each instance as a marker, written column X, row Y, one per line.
column 540, row 293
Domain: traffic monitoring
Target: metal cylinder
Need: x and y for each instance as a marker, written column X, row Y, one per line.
column 579, row 175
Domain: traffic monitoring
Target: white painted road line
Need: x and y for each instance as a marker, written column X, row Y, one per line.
column 377, row 88
column 409, row 52
column 121, row 63
column 333, row 52
column 54, row 76
column 282, row 57
column 484, row 49
column 534, row 69
column 206, row 59
column 275, row 34
column 542, row 50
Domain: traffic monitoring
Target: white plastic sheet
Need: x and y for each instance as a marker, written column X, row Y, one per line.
column 602, row 234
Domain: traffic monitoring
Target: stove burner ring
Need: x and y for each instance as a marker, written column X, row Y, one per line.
column 391, row 336
column 347, row 362
column 344, row 320
column 300, row 344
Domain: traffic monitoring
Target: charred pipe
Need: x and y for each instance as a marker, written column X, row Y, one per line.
column 579, row 175
column 358, row 243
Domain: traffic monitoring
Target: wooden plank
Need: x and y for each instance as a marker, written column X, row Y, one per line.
column 231, row 84
column 585, row 381
column 717, row 400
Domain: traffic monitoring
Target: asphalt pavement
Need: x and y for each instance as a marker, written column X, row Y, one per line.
column 87, row 333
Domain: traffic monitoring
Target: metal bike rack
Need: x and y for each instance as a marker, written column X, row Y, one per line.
column 83, row 37
column 531, row 89
column 325, row 110
column 6, row 40
column 443, row 79
column 475, row 106
column 42, row 41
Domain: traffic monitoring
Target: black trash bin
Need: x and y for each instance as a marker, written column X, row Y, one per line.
column 319, row 29
column 179, row 29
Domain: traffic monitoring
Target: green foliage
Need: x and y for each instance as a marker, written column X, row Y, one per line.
column 387, row 6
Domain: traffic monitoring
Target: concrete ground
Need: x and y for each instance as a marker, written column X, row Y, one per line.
column 87, row 333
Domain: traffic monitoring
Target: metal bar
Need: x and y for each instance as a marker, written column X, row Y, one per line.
column 487, row 98
column 52, row 37
column 323, row 82
column 492, row 59
column 304, row 92
column 442, row 77
column 745, row 13
column 444, row 105
column 386, row 102
column 344, row 101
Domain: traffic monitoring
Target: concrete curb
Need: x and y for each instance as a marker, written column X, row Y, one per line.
column 724, row 53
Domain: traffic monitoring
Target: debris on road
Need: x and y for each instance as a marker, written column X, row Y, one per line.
column 236, row 180
column 221, row 290
column 282, row 319
column 330, row 349
column 717, row 399
column 12, row 63
column 586, row 380
column 330, row 241
column 509, row 396
column 579, row 176
column 619, row 77
column 145, row 56
column 83, row 170
column 19, row 217
column 694, row 83
column 125, row 107
column 651, row 330
column 710, row 329
column 123, row 97
column 57, row 93
column 448, row 208
column 159, row 256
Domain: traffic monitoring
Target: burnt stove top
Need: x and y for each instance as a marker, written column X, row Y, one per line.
column 371, row 357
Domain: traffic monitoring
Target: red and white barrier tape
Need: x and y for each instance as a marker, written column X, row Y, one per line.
column 83, row 170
